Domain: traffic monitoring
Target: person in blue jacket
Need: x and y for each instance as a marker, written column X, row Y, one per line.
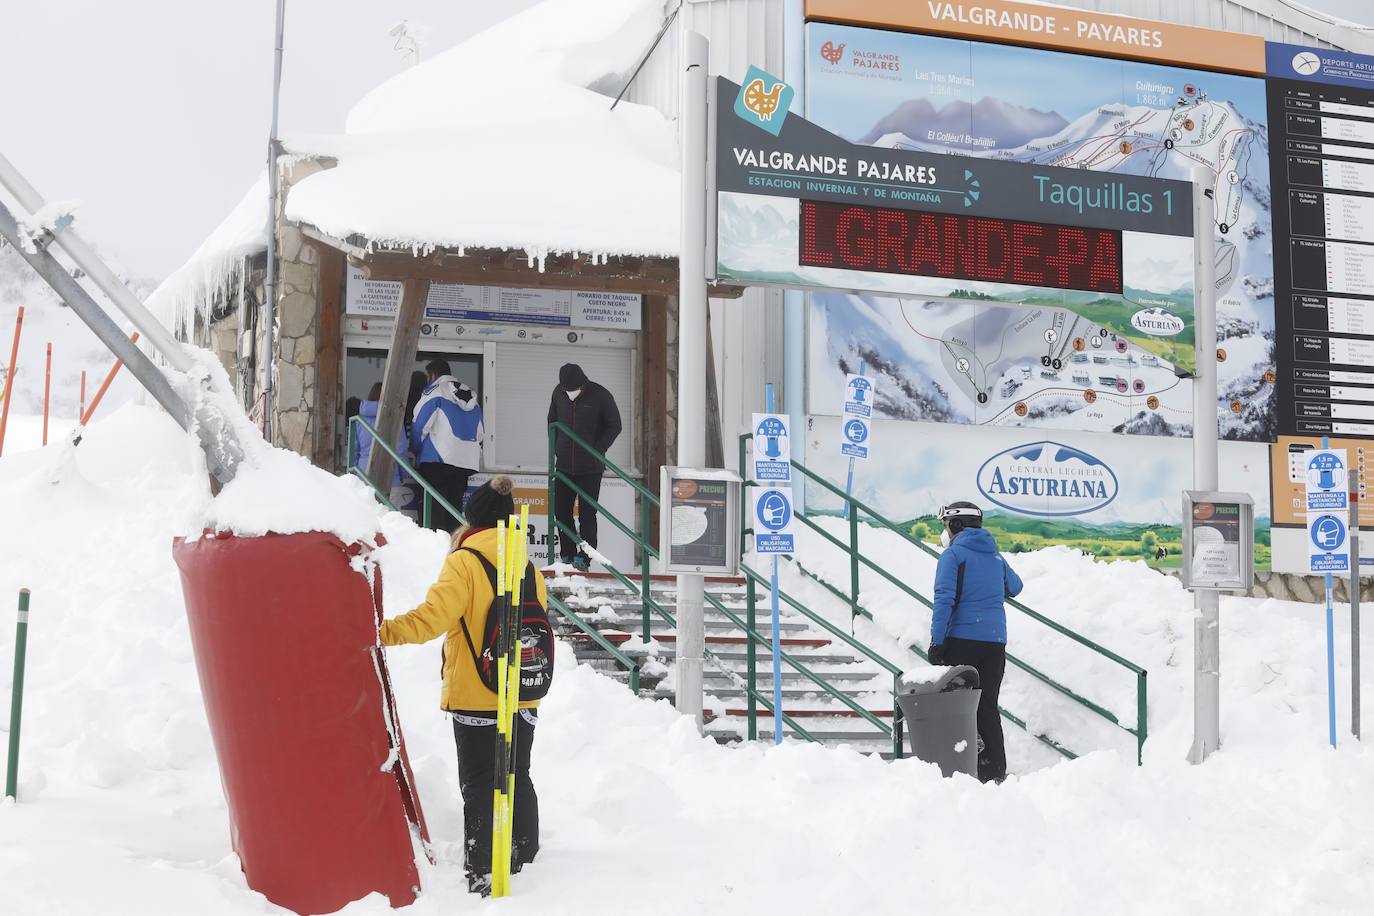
column 969, row 626
column 446, row 437
column 399, row 491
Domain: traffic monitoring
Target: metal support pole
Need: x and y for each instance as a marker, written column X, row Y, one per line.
column 551, row 520
column 270, row 307
column 646, row 582
column 793, row 300
column 21, row 644
column 691, row 412
column 776, row 623
column 217, row 438
column 1206, row 625
column 1354, row 491
column 85, row 257
column 751, row 654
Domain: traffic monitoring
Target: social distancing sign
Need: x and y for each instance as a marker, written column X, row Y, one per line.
column 772, row 448
column 1328, row 511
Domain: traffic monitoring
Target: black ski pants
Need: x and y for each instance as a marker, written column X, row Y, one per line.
column 990, row 658
column 585, row 524
column 476, row 780
column 452, row 484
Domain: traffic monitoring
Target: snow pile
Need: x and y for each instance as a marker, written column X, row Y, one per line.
column 1273, row 652
column 508, row 141
column 119, row 788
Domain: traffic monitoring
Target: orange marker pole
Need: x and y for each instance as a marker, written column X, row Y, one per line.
column 47, row 393
column 9, row 377
column 81, row 408
column 104, row 386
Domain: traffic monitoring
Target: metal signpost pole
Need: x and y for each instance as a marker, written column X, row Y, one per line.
column 777, row 623
column 691, row 397
column 270, row 307
column 1354, row 495
column 1330, row 648
column 794, row 300
column 1206, row 625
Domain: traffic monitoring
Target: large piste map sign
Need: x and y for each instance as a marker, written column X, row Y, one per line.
column 1094, row 359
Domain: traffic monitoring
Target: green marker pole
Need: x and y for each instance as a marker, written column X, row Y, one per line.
column 21, row 638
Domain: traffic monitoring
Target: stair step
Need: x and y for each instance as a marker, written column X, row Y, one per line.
column 839, row 712
column 620, row 638
column 718, row 622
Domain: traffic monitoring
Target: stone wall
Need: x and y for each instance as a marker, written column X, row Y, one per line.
column 297, row 324
column 1311, row 589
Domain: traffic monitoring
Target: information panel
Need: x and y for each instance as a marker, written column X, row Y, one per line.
column 699, row 527
column 1321, row 118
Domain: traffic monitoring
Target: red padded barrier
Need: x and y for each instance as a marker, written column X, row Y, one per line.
column 285, row 630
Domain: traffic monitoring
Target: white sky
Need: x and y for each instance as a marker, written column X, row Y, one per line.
column 154, row 113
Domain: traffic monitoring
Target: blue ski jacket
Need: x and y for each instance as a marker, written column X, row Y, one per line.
column 448, row 425
column 971, row 581
column 362, row 442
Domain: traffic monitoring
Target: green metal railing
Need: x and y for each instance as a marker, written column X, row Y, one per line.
column 857, row 560
column 643, row 588
column 432, row 496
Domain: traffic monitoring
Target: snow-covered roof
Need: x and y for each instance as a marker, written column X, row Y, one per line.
column 504, row 141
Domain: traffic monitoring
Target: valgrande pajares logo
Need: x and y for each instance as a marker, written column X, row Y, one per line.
column 764, row 100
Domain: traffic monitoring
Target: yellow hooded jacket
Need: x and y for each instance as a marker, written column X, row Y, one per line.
column 462, row 594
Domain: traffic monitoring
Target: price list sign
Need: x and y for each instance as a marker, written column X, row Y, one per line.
column 1321, row 118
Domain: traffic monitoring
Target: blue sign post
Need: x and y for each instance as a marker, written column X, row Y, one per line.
column 1328, row 550
column 858, row 408
column 773, row 522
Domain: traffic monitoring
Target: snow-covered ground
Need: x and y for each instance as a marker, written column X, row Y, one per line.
column 121, row 809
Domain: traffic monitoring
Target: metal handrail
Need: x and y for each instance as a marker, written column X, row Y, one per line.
column 856, row 558
column 576, row 620
column 430, row 492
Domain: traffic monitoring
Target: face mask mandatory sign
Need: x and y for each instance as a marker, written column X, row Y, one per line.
column 764, row 100
column 773, row 520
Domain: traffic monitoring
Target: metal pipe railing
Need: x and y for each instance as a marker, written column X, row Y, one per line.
column 856, row 557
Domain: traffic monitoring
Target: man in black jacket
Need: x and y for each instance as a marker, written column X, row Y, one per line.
column 589, row 410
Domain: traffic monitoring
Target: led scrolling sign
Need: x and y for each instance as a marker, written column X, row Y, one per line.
column 960, row 247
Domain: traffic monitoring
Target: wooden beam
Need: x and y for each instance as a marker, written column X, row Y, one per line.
column 640, row 276
column 400, row 359
column 328, row 356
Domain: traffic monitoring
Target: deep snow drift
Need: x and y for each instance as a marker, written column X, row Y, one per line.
column 121, row 810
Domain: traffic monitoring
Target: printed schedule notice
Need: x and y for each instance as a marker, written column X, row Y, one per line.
column 1323, row 182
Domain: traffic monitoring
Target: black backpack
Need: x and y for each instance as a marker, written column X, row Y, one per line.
column 536, row 638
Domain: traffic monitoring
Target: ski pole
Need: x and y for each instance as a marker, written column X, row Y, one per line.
column 521, row 552
column 21, row 642
column 498, row 807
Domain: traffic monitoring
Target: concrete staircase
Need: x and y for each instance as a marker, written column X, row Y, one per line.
column 615, row 612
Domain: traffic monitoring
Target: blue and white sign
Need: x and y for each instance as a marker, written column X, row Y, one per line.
column 1048, row 479
column 1330, row 548
column 772, row 448
column 858, row 396
column 1319, row 65
column 854, row 433
column 1327, row 481
column 773, row 520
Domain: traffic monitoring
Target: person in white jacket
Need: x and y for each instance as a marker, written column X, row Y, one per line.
column 446, row 438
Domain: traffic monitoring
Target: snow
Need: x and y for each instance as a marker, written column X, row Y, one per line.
column 507, row 140
column 121, row 810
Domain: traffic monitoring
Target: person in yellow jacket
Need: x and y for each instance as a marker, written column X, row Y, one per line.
column 462, row 597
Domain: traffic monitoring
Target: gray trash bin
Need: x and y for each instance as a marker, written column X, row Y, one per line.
column 942, row 716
